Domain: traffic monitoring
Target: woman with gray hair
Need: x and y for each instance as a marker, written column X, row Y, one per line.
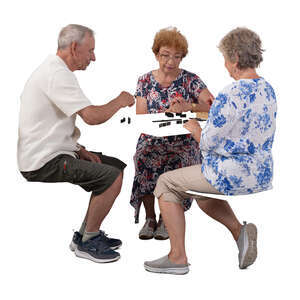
column 236, row 145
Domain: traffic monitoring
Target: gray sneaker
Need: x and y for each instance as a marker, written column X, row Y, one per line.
column 164, row 265
column 146, row 233
column 247, row 245
column 161, row 232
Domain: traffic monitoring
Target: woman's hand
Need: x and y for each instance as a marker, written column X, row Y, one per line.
column 86, row 155
column 209, row 100
column 206, row 98
column 194, row 128
column 179, row 105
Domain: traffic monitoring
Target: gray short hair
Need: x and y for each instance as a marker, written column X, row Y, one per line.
column 244, row 44
column 72, row 33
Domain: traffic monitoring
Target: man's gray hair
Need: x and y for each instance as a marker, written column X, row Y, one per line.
column 72, row 33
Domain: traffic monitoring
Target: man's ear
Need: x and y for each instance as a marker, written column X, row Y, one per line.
column 73, row 48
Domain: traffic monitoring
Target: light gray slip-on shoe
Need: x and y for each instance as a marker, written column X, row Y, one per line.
column 247, row 244
column 164, row 265
column 161, row 232
column 147, row 232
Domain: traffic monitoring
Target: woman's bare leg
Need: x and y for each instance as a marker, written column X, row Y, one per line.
column 174, row 219
column 221, row 211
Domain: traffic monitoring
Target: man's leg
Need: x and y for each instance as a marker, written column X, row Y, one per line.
column 94, row 245
column 100, row 205
column 84, row 223
column 109, row 160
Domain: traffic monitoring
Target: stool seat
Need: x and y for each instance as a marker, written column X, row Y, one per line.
column 198, row 195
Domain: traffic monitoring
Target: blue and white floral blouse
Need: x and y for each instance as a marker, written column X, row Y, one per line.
column 237, row 140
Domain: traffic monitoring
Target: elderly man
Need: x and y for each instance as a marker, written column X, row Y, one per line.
column 47, row 147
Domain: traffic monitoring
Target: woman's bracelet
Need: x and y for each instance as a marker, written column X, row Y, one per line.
column 194, row 105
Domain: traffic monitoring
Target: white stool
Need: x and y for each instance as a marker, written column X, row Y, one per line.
column 197, row 195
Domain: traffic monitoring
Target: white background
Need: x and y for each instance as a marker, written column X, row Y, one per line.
column 37, row 219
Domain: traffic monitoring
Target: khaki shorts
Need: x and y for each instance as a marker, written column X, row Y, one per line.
column 174, row 184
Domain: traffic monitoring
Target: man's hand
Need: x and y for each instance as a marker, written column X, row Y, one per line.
column 86, row 155
column 179, row 105
column 98, row 114
column 126, row 99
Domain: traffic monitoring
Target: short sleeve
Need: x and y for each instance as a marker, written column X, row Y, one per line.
column 196, row 86
column 219, row 123
column 65, row 92
column 140, row 88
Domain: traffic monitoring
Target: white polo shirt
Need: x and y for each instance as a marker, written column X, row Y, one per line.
column 49, row 102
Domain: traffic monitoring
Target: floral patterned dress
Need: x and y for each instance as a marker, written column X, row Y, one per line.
column 157, row 155
column 237, row 140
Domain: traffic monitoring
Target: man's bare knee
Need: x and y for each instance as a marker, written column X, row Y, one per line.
column 119, row 179
column 117, row 185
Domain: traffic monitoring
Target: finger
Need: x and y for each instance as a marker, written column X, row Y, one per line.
column 187, row 127
column 88, row 158
column 92, row 159
column 96, row 157
column 98, row 160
